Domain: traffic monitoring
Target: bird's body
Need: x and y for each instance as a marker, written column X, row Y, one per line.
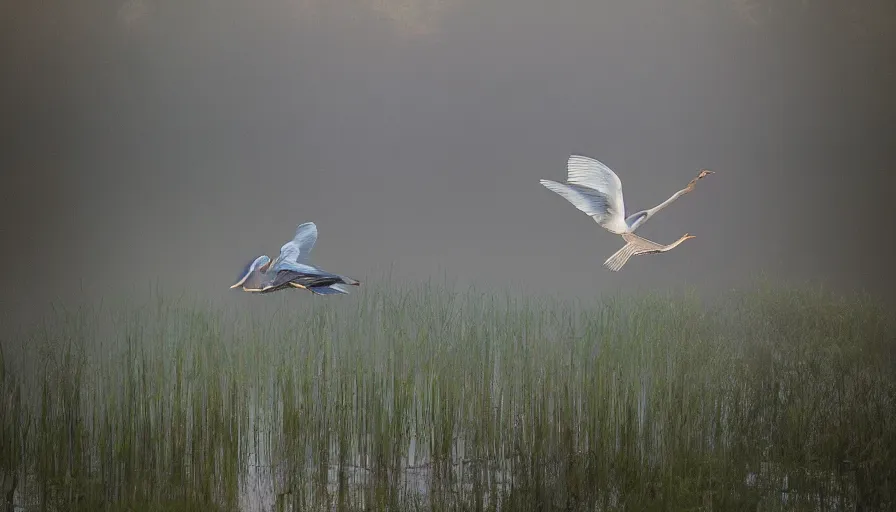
column 308, row 278
column 596, row 190
column 292, row 270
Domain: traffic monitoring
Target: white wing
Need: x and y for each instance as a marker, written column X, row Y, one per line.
column 299, row 248
column 593, row 188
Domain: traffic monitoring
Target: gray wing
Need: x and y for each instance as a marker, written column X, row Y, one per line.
column 299, row 248
column 593, row 188
column 286, row 279
column 303, row 275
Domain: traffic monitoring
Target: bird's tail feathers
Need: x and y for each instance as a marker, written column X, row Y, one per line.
column 333, row 289
column 615, row 262
column 350, row 281
column 341, row 288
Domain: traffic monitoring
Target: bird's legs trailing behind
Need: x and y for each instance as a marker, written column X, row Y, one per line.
column 636, row 245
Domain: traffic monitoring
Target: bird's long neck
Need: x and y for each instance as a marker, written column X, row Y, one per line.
column 638, row 219
column 651, row 212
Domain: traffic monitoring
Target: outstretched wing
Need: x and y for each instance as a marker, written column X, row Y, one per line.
column 299, row 248
column 593, row 188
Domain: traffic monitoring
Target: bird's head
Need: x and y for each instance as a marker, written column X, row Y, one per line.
column 261, row 263
column 703, row 173
column 687, row 236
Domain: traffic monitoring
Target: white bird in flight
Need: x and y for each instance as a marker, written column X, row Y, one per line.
column 594, row 188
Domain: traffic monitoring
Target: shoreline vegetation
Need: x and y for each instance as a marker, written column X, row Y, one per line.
column 419, row 397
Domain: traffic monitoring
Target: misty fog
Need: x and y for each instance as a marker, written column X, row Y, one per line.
column 171, row 142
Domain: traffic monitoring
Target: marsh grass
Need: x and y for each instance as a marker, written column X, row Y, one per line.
column 425, row 398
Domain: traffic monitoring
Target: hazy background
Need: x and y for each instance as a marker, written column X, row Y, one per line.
column 173, row 141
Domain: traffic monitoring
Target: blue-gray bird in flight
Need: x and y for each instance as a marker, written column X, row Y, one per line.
column 292, row 270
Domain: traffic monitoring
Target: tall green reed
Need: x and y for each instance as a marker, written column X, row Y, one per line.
column 429, row 397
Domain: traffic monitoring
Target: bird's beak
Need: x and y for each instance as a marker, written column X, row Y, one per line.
column 239, row 282
column 705, row 172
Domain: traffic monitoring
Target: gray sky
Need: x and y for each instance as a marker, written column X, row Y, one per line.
column 174, row 141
